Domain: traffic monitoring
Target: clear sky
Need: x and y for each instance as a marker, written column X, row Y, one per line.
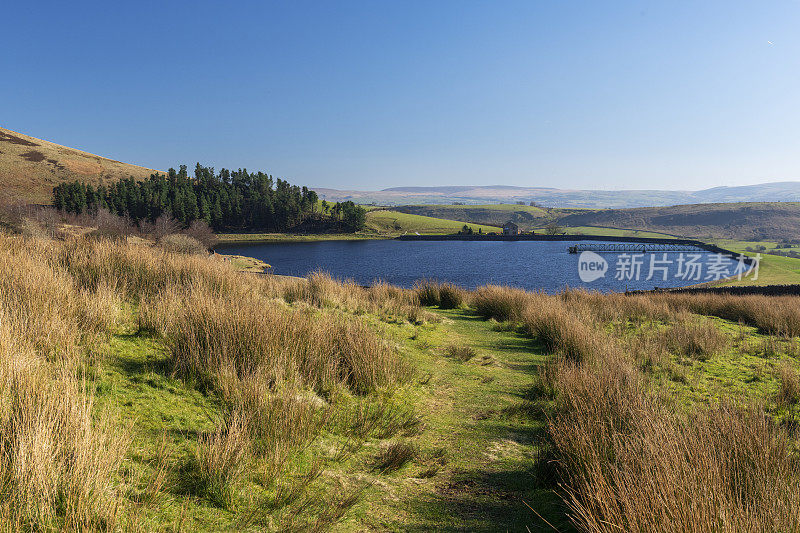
column 367, row 95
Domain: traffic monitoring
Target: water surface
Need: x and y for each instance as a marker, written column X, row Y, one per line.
column 531, row 265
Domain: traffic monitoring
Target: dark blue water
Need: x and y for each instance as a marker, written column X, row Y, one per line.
column 531, row 265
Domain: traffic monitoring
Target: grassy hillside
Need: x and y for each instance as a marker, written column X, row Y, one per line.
column 741, row 221
column 166, row 392
column 386, row 222
column 765, row 221
column 525, row 216
column 31, row 167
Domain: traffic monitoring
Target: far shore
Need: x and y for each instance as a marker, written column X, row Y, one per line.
column 258, row 238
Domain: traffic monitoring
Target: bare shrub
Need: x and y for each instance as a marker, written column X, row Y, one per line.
column 112, row 226
column 200, row 231
column 162, row 226
column 182, row 244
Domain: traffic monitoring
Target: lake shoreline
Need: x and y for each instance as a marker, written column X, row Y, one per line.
column 266, row 238
column 551, row 238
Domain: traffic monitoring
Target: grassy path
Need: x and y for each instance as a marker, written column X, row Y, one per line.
column 482, row 419
column 476, row 464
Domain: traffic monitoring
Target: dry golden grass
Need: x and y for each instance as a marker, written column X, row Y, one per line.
column 500, row 303
column 694, row 339
column 235, row 335
column 31, row 166
column 59, row 460
column 789, row 393
column 775, row 315
column 221, row 461
column 444, row 295
column 275, row 351
column 628, row 461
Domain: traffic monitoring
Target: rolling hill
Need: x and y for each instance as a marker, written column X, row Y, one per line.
column 31, row 167
column 752, row 221
column 565, row 198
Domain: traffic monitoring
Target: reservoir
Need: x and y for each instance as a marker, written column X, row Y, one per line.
column 531, row 265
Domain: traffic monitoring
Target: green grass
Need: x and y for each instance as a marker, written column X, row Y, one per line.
column 243, row 263
column 392, row 223
column 473, row 458
column 482, row 430
column 773, row 270
column 609, row 232
column 475, row 450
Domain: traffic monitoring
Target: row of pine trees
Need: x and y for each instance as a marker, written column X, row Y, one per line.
column 227, row 200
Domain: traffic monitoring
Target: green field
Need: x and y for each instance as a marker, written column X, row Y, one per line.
column 392, row 223
column 607, row 232
column 773, row 269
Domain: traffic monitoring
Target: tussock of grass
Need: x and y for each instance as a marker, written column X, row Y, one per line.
column 221, row 462
column 268, row 364
column 700, row 340
column 394, row 456
column 789, row 392
column 461, row 353
column 629, row 461
column 444, row 295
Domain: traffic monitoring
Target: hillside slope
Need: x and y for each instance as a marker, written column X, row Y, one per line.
column 527, row 217
column 31, row 167
column 755, row 221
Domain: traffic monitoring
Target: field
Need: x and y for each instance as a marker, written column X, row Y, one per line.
column 773, row 270
column 174, row 394
column 525, row 216
column 392, row 223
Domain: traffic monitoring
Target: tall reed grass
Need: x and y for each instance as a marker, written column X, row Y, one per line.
column 270, row 363
column 59, row 458
column 629, row 462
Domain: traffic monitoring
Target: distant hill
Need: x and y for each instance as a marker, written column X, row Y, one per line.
column 592, row 199
column 31, row 167
column 754, row 221
column 773, row 221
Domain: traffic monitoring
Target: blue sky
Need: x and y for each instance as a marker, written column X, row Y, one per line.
column 368, row 95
